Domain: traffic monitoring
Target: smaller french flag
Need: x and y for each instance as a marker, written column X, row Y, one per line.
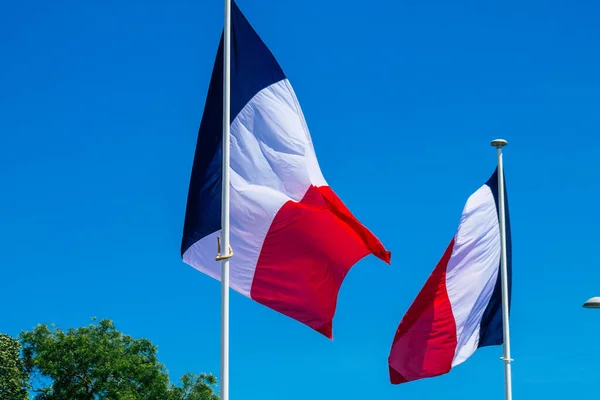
column 460, row 307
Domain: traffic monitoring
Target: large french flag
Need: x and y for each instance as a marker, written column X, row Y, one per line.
column 294, row 240
column 459, row 309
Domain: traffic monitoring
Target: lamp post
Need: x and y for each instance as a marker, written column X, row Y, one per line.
column 594, row 302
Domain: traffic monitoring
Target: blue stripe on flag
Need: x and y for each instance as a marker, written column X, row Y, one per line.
column 253, row 68
column 490, row 333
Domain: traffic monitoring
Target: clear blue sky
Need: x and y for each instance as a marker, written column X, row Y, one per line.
column 100, row 103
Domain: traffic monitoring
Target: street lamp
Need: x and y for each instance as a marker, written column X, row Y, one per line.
column 594, row 302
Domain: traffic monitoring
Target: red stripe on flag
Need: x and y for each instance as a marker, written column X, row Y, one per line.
column 309, row 249
column 425, row 342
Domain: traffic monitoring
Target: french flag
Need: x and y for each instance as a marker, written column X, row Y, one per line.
column 294, row 239
column 460, row 307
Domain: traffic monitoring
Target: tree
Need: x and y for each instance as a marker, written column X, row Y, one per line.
column 13, row 377
column 97, row 362
column 195, row 387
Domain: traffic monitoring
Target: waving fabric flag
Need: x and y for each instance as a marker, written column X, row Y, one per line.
column 293, row 238
column 459, row 309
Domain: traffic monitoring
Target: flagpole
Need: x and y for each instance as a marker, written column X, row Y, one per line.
column 225, row 205
column 499, row 144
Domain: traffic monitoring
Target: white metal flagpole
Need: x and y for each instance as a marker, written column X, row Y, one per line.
column 224, row 259
column 499, row 144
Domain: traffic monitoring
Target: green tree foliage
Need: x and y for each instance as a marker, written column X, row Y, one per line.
column 195, row 387
column 97, row 362
column 13, row 377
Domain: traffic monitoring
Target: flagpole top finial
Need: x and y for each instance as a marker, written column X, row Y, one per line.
column 499, row 143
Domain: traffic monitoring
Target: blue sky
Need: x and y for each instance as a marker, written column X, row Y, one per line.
column 99, row 108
